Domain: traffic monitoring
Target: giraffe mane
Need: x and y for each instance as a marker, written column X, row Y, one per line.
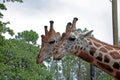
column 115, row 46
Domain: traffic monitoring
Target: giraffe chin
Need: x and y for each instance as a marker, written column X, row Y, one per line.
column 38, row 61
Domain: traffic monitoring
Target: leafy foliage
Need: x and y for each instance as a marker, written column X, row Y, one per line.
column 17, row 61
column 3, row 25
column 2, row 7
column 28, row 36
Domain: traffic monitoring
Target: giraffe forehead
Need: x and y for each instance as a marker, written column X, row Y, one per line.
column 51, row 37
column 74, row 34
column 63, row 43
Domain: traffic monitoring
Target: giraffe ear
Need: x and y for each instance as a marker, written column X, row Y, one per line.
column 88, row 33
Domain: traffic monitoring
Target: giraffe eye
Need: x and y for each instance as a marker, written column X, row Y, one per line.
column 52, row 42
column 71, row 38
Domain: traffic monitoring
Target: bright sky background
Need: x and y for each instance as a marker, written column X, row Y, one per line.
column 34, row 14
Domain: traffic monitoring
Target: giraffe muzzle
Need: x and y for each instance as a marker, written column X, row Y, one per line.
column 38, row 60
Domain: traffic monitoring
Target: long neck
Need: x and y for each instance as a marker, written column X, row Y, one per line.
column 104, row 56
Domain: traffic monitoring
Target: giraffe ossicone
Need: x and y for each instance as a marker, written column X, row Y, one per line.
column 102, row 55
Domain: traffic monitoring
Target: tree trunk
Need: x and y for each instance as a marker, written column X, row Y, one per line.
column 92, row 72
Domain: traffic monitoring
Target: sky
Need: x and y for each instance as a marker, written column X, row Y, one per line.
column 35, row 14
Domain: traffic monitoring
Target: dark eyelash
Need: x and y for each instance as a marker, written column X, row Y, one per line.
column 52, row 42
column 72, row 39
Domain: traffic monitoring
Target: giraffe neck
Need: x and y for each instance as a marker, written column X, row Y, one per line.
column 102, row 55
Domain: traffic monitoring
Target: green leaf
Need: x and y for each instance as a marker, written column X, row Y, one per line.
column 2, row 7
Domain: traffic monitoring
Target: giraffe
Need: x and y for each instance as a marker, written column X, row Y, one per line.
column 48, row 40
column 100, row 54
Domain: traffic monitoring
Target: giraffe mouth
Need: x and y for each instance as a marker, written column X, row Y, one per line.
column 39, row 59
column 57, row 57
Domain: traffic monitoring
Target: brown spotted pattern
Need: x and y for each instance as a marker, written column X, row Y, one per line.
column 110, row 54
column 115, row 54
column 106, row 59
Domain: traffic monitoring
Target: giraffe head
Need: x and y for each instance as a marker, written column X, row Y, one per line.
column 72, row 41
column 50, row 38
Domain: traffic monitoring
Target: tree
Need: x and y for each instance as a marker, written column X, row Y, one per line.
column 28, row 36
column 3, row 25
column 17, row 58
column 119, row 41
column 17, row 62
